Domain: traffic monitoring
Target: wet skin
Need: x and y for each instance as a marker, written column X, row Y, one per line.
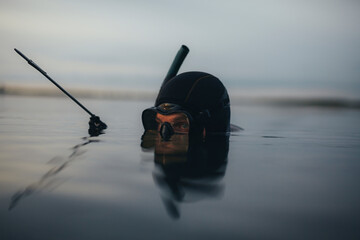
column 179, row 144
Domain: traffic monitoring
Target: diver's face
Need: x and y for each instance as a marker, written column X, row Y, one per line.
column 178, row 121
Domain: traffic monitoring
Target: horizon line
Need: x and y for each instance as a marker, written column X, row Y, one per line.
column 149, row 95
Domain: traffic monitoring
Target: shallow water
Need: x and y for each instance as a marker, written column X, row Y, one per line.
column 293, row 173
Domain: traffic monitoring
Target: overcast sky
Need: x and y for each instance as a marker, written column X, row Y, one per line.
column 251, row 44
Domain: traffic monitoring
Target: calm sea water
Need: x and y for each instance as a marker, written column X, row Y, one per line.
column 293, row 173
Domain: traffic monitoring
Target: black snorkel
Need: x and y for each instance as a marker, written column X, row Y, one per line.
column 95, row 124
column 176, row 64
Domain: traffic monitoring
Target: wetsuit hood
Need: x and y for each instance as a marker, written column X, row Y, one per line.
column 199, row 95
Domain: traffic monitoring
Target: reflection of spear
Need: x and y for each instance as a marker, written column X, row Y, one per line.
column 93, row 117
column 47, row 180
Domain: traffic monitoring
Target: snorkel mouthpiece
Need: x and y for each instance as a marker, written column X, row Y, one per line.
column 166, row 131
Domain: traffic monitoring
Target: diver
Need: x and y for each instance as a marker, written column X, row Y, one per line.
column 188, row 130
column 194, row 103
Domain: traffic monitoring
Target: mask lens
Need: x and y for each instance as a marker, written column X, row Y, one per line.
column 182, row 124
column 178, row 121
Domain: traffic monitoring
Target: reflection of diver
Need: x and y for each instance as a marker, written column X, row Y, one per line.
column 188, row 168
column 48, row 179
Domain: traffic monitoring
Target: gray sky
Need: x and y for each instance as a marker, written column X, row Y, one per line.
column 279, row 45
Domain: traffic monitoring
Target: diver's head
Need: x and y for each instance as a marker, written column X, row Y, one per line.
column 189, row 103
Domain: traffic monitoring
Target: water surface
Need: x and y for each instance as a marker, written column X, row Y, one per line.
column 293, row 173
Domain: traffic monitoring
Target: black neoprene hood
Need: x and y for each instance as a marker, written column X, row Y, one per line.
column 199, row 95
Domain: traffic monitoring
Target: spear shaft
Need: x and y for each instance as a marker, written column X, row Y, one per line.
column 51, row 80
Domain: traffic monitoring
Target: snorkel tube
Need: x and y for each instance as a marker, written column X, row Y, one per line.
column 176, row 64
